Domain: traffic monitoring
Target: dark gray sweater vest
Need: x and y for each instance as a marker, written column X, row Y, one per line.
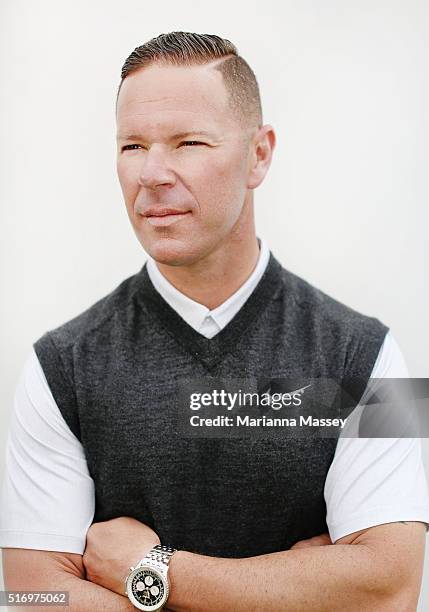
column 114, row 370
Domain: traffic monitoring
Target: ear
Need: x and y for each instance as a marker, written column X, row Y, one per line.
column 261, row 154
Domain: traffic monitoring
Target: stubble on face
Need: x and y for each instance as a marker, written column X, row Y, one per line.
column 158, row 169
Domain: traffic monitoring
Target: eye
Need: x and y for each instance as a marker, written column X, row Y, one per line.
column 130, row 147
column 192, row 142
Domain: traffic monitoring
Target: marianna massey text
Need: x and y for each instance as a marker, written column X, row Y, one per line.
column 264, row 421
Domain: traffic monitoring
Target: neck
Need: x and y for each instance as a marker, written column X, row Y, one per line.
column 213, row 279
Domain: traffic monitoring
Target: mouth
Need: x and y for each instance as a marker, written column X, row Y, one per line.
column 167, row 218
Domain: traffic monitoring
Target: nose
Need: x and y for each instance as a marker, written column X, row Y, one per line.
column 155, row 171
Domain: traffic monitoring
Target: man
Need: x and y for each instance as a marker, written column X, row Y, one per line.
column 93, row 438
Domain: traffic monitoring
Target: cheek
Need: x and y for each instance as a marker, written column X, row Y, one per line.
column 128, row 179
column 224, row 185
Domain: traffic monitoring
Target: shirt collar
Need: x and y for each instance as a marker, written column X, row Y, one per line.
column 195, row 313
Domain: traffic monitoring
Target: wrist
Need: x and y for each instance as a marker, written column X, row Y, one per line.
column 147, row 585
column 129, row 563
column 182, row 571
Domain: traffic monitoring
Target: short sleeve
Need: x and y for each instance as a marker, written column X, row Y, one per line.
column 47, row 494
column 373, row 481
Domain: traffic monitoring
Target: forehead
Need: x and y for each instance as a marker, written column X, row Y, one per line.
column 175, row 96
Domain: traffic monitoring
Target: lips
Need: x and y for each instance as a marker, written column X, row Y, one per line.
column 168, row 218
column 163, row 212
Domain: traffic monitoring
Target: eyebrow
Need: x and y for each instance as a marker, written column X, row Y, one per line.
column 176, row 136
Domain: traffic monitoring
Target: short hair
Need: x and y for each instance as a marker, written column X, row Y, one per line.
column 190, row 49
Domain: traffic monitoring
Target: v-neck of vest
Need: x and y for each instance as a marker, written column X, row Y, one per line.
column 210, row 351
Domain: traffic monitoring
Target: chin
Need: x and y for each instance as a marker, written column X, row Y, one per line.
column 170, row 252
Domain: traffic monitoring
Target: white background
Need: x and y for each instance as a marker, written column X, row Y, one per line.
column 345, row 204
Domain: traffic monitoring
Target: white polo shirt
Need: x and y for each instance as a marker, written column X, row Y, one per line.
column 48, row 497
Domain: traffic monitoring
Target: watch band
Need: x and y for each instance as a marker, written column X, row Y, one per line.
column 159, row 554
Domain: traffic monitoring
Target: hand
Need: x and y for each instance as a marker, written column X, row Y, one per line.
column 320, row 540
column 112, row 547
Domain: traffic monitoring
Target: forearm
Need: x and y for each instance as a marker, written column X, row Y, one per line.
column 378, row 569
column 325, row 578
column 84, row 596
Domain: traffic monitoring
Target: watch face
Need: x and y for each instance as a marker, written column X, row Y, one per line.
column 147, row 589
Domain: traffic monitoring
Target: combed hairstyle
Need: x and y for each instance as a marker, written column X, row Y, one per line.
column 190, row 49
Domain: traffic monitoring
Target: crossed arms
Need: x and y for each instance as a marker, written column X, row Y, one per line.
column 376, row 570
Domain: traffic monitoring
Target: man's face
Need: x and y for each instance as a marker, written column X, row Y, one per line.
column 179, row 147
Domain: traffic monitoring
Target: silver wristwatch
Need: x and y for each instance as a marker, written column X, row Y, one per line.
column 147, row 584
